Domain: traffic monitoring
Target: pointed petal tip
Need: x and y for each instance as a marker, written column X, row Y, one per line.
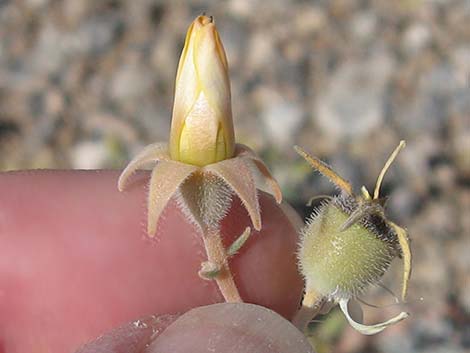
column 254, row 214
column 404, row 242
column 272, row 186
column 151, row 226
column 256, row 223
column 122, row 182
column 325, row 170
column 278, row 197
column 152, row 153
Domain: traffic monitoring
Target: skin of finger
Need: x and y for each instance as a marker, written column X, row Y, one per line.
column 231, row 328
column 76, row 260
column 132, row 337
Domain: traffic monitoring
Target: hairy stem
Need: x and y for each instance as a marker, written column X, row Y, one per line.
column 217, row 254
column 311, row 307
column 206, row 198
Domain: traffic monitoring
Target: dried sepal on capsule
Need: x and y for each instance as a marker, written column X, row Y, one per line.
column 347, row 245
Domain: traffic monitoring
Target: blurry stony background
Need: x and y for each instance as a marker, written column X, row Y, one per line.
column 86, row 84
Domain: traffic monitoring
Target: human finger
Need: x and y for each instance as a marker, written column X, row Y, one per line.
column 76, row 261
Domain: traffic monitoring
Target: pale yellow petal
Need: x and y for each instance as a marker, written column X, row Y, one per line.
column 186, row 89
column 166, row 177
column 211, row 67
column 199, row 142
column 238, row 176
column 202, row 95
column 151, row 153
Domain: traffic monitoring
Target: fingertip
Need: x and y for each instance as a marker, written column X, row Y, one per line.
column 265, row 268
column 231, row 327
column 131, row 337
column 82, row 248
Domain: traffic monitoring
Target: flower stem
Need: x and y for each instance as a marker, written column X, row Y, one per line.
column 311, row 307
column 217, row 254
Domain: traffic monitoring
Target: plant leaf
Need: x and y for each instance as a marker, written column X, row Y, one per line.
column 239, row 242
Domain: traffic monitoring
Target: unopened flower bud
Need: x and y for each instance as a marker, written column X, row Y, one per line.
column 202, row 127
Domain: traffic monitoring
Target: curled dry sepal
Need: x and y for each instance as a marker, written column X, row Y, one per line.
column 203, row 167
column 347, row 245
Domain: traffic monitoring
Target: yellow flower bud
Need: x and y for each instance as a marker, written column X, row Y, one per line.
column 202, row 127
column 202, row 164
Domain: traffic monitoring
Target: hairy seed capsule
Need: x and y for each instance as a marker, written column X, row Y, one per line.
column 348, row 244
column 342, row 263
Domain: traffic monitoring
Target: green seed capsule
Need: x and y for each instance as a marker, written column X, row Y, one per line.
column 341, row 263
column 348, row 244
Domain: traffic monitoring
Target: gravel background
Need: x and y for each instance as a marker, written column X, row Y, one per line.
column 86, row 84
